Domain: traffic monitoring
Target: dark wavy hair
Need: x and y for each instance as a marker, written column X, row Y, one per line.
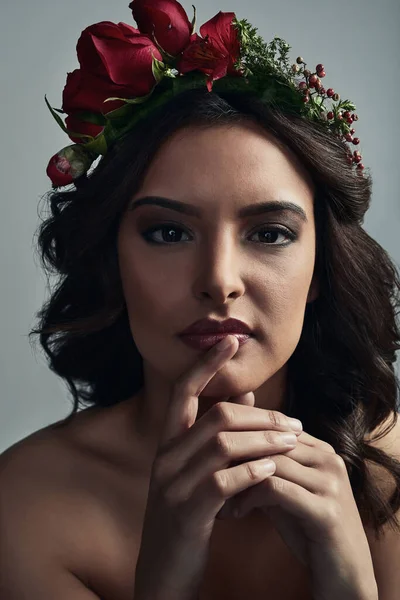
column 342, row 370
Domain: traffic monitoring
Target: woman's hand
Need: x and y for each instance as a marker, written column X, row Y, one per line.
column 191, row 479
column 311, row 503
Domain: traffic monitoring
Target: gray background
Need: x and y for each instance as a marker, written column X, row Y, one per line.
column 358, row 41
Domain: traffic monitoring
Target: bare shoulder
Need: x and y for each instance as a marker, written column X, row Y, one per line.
column 385, row 437
column 385, row 551
column 68, row 497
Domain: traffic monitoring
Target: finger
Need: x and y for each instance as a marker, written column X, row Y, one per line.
column 233, row 449
column 307, row 456
column 314, row 442
column 213, row 492
column 290, row 466
column 308, row 477
column 184, row 403
column 247, row 399
column 277, row 491
column 302, row 466
column 224, row 416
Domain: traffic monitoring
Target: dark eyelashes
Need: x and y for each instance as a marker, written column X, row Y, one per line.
column 146, row 234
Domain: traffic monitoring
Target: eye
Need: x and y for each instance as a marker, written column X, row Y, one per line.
column 269, row 234
column 168, row 229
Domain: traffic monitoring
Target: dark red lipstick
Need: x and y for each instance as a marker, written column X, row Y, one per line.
column 205, row 333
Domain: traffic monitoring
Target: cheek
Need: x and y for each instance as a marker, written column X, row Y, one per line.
column 147, row 296
column 153, row 288
column 154, row 308
column 153, row 298
column 285, row 292
column 284, row 301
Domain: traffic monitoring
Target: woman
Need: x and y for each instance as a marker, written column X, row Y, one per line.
column 215, row 206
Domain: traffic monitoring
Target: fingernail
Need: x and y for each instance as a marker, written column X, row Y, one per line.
column 296, row 425
column 265, row 466
column 289, row 439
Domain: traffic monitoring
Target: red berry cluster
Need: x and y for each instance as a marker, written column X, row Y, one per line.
column 313, row 80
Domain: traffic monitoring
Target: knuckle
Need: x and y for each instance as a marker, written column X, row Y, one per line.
column 336, row 463
column 270, row 437
column 278, row 485
column 222, row 413
column 175, row 494
column 331, row 487
column 331, row 514
column 222, row 444
column 274, row 417
column 251, row 469
column 328, row 448
column 219, row 484
column 184, row 386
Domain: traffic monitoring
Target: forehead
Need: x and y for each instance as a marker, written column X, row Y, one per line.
column 237, row 163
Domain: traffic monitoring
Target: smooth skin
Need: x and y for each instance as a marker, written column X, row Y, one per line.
column 191, row 479
column 220, row 265
column 178, row 268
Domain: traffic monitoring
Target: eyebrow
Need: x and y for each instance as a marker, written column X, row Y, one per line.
column 246, row 211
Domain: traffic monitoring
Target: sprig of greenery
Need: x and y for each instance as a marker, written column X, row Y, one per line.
column 257, row 57
column 262, row 62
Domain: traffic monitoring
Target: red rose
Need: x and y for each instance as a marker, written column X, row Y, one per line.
column 75, row 124
column 116, row 60
column 216, row 54
column 168, row 19
column 84, row 91
column 119, row 54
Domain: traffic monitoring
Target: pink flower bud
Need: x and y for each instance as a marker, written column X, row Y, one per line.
column 68, row 164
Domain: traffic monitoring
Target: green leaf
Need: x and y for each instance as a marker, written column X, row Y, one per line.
column 158, row 68
column 138, row 100
column 187, row 82
column 55, row 115
column 318, row 100
column 348, row 105
column 193, row 21
column 121, row 112
column 63, row 127
column 79, row 135
column 98, row 145
column 112, row 130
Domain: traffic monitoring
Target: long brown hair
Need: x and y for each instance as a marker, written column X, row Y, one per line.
column 342, row 369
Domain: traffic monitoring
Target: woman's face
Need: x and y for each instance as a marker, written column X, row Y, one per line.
column 219, row 264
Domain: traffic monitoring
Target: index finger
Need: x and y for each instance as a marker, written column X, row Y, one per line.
column 184, row 402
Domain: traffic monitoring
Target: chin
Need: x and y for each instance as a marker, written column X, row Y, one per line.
column 228, row 385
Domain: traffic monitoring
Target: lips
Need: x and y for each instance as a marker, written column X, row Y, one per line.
column 206, row 341
column 206, row 333
column 212, row 326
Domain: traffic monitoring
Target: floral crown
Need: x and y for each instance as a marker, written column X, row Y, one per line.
column 125, row 73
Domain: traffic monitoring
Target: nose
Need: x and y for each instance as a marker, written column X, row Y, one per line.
column 220, row 272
